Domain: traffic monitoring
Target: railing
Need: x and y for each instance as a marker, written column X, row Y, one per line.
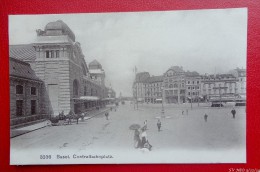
column 27, row 119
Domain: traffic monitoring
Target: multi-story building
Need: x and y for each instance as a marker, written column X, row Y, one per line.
column 139, row 86
column 153, row 89
column 58, row 61
column 174, row 85
column 26, row 95
column 193, row 86
column 240, row 74
column 178, row 86
column 220, row 86
column 96, row 72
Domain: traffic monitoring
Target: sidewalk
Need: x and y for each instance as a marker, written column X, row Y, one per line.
column 30, row 128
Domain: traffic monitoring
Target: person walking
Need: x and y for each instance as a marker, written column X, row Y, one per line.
column 233, row 111
column 159, row 124
column 143, row 137
column 137, row 140
column 106, row 114
column 205, row 117
column 145, row 125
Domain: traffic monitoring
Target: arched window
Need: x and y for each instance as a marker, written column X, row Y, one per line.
column 75, row 88
column 175, row 85
column 19, row 89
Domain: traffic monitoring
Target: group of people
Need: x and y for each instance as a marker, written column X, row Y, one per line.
column 140, row 136
column 141, row 141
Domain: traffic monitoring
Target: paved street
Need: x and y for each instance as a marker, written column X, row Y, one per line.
column 179, row 132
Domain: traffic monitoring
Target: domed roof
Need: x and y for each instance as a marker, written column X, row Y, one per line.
column 60, row 25
column 95, row 65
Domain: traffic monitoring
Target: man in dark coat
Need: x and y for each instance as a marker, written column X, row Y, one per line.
column 233, row 111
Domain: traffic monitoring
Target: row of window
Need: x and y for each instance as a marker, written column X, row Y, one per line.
column 19, row 90
column 175, row 92
column 52, row 54
column 193, row 88
column 193, row 93
column 20, row 104
column 193, row 82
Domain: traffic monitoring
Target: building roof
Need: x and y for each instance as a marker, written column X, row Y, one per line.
column 177, row 69
column 155, row 79
column 142, row 76
column 25, row 52
column 21, row 69
column 192, row 74
column 95, row 65
column 219, row 76
column 59, row 25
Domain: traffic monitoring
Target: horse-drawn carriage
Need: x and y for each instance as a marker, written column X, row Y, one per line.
column 63, row 119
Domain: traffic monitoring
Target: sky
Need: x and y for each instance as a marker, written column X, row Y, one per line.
column 207, row 41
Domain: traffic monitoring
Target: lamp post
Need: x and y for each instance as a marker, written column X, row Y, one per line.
column 162, row 112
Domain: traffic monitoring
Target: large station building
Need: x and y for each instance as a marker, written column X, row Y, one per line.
column 58, row 62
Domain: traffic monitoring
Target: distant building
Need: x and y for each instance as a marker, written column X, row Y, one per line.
column 179, row 86
column 240, row 74
column 27, row 104
column 220, row 86
column 174, row 85
column 153, row 89
column 58, row 61
column 96, row 72
column 111, row 93
column 193, row 86
column 139, row 86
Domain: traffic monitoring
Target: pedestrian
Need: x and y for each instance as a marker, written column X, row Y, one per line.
column 137, row 141
column 187, row 111
column 205, row 117
column 233, row 111
column 106, row 114
column 182, row 112
column 143, row 137
column 145, row 125
column 159, row 124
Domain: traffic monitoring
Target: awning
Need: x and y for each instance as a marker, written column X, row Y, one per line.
column 86, row 98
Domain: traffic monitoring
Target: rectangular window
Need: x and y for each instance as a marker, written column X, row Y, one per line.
column 19, row 107
column 47, row 54
column 57, row 53
column 33, row 90
column 19, row 89
column 33, row 107
column 52, row 54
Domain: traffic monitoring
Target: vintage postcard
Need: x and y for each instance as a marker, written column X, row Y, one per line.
column 128, row 87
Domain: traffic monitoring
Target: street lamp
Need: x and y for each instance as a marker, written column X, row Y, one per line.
column 162, row 112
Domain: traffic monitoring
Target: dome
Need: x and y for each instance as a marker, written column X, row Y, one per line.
column 95, row 65
column 52, row 28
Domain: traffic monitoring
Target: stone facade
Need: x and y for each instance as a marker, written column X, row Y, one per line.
column 58, row 61
column 174, row 85
column 27, row 104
